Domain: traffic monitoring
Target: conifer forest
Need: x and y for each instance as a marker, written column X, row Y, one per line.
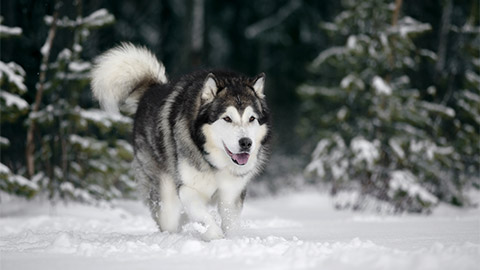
column 376, row 102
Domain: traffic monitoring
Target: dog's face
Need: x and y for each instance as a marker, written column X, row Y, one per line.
column 237, row 121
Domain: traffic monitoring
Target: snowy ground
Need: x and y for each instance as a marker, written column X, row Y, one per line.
column 294, row 231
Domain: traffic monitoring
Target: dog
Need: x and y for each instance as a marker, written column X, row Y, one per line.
column 198, row 139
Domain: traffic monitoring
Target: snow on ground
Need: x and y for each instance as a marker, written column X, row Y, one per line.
column 293, row 231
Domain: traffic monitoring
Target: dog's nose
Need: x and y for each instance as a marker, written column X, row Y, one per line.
column 245, row 144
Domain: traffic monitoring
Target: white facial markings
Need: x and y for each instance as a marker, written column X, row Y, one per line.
column 241, row 120
column 233, row 114
column 247, row 114
column 227, row 131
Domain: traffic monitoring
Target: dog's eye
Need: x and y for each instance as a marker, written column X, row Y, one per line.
column 227, row 119
column 252, row 118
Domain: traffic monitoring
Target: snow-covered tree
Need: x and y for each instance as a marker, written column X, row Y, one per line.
column 12, row 108
column 75, row 151
column 380, row 133
column 465, row 100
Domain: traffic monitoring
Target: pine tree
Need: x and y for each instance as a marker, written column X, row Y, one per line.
column 12, row 108
column 465, row 100
column 381, row 135
column 76, row 152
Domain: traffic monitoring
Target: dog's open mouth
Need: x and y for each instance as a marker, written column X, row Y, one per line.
column 240, row 158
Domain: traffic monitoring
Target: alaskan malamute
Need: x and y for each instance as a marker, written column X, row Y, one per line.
column 197, row 139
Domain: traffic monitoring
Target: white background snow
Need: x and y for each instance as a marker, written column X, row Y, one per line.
column 291, row 231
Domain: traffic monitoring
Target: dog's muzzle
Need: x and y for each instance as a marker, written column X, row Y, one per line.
column 239, row 158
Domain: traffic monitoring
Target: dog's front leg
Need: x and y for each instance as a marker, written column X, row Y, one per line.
column 230, row 207
column 196, row 207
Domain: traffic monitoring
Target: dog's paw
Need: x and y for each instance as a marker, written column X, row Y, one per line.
column 229, row 226
column 213, row 233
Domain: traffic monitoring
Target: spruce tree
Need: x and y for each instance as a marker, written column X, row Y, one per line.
column 12, row 108
column 83, row 154
column 380, row 135
column 76, row 151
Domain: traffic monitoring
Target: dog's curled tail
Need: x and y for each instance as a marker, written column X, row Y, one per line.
column 122, row 74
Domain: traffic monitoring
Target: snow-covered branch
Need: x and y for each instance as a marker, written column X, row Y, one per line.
column 257, row 28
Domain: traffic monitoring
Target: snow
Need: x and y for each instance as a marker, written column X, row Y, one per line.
column 98, row 18
column 4, row 141
column 317, row 162
column 22, row 181
column 13, row 100
column 350, row 80
column 324, row 55
column 6, row 31
column 45, row 50
column 104, row 118
column 365, row 151
column 352, row 42
column 471, row 96
column 429, row 148
column 75, row 192
column 258, row 28
column 404, row 180
column 304, row 233
column 77, row 48
column 407, row 25
column 427, row 53
column 16, row 179
column 15, row 74
column 476, row 62
column 4, row 169
column 470, row 109
column 381, row 87
column 84, row 143
column 397, row 148
column 65, row 54
column 325, row 157
column 438, row 108
column 310, row 90
column 472, row 77
column 77, row 66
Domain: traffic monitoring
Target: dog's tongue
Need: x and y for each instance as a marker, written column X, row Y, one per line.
column 241, row 158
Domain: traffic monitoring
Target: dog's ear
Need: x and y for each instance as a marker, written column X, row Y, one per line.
column 258, row 83
column 210, row 88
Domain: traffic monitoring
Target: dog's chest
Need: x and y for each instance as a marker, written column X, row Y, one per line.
column 208, row 182
column 202, row 181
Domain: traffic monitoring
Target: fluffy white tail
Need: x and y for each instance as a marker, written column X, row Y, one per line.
column 122, row 74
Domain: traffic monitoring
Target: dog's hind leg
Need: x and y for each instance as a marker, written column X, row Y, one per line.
column 170, row 206
column 160, row 189
column 164, row 203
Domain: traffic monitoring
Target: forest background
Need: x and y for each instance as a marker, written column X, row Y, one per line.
column 376, row 101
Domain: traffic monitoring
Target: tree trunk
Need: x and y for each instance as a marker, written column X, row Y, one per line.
column 396, row 12
column 442, row 40
column 30, row 143
column 197, row 32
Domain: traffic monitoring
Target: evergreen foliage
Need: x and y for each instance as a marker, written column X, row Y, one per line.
column 80, row 153
column 391, row 103
column 381, row 134
column 83, row 153
column 12, row 108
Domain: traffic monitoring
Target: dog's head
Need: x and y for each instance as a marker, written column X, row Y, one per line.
column 236, row 125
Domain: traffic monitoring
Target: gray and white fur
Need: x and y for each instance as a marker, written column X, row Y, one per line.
column 197, row 139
